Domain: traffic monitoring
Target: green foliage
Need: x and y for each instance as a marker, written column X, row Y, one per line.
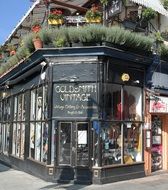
column 148, row 14
column 165, row 35
column 104, row 2
column 28, row 43
column 62, row 36
column 45, row 35
column 158, row 37
column 165, row 4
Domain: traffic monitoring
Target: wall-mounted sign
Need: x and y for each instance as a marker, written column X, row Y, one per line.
column 114, row 7
column 75, row 100
column 125, row 77
column 160, row 105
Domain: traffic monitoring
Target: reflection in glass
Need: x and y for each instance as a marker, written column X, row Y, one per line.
column 32, row 140
column 38, row 141
column 111, row 143
column 132, row 103
column 65, row 143
column 132, row 143
column 82, row 144
column 45, row 143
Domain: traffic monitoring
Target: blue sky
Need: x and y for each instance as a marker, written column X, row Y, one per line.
column 11, row 12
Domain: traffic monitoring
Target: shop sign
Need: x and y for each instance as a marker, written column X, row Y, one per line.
column 75, row 100
column 114, row 8
column 159, row 105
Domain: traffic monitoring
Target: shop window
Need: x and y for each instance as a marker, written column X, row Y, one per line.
column 5, row 108
column 112, row 102
column 65, row 143
column 38, row 126
column 121, row 143
column 132, row 143
column 5, row 137
column 18, row 144
column 111, row 144
column 18, row 141
column 132, row 103
column 122, row 102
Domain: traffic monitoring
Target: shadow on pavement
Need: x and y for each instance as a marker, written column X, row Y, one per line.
column 4, row 168
column 62, row 186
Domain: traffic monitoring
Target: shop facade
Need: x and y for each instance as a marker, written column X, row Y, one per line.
column 75, row 115
column 156, row 130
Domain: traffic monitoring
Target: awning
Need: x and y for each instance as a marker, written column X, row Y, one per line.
column 154, row 4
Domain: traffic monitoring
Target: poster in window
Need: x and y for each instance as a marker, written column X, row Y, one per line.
column 82, row 137
column 156, row 140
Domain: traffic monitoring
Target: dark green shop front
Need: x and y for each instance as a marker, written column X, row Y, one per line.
column 75, row 118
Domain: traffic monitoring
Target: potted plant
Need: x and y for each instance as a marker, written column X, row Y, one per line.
column 36, row 26
column 148, row 14
column 38, row 43
column 12, row 49
column 93, row 15
column 56, row 17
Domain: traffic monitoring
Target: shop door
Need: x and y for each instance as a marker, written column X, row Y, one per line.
column 156, row 150
column 74, row 144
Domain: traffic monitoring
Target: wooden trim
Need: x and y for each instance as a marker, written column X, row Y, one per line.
column 68, row 5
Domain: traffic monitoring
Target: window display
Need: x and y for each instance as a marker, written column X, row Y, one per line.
column 111, row 144
column 18, row 143
column 39, row 127
column 121, row 143
column 5, row 107
column 122, row 102
column 132, row 143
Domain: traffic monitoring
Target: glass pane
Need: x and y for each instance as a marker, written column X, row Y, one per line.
column 96, row 127
column 38, row 142
column 45, row 143
column 33, row 103
column 132, row 143
column 111, row 144
column 22, row 140
column 23, row 107
column 82, row 144
column 65, row 143
column 32, row 140
column 132, row 109
column 39, row 104
column 44, row 110
column 112, row 102
column 157, row 146
column 14, row 139
column 19, row 108
column 18, row 140
column 15, row 109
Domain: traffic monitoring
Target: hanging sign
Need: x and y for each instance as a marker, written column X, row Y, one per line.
column 159, row 104
column 114, row 7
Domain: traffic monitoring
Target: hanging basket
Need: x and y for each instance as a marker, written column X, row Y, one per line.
column 55, row 21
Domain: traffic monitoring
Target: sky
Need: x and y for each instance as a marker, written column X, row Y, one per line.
column 11, row 12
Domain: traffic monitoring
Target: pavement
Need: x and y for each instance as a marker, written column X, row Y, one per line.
column 12, row 179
